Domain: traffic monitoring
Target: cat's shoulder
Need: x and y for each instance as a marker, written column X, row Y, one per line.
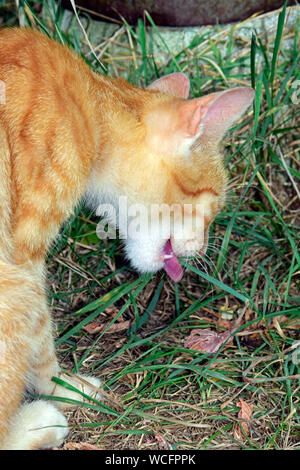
column 13, row 34
column 25, row 40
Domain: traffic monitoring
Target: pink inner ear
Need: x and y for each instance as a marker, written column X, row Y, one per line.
column 215, row 113
column 195, row 121
column 176, row 84
column 225, row 109
column 191, row 114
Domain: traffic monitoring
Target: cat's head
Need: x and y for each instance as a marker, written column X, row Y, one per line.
column 164, row 163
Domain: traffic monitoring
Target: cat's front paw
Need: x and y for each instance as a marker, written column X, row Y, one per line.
column 83, row 384
column 37, row 425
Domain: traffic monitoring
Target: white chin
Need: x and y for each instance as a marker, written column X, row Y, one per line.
column 144, row 255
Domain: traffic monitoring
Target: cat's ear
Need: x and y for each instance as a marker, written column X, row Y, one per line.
column 176, row 84
column 212, row 115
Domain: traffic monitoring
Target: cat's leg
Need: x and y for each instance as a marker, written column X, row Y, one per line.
column 13, row 367
column 21, row 426
column 30, row 426
column 44, row 366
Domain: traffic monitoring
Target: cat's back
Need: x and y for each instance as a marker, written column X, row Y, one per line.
column 44, row 83
column 26, row 48
column 27, row 53
column 32, row 67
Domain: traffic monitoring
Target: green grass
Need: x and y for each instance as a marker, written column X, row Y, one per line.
column 158, row 387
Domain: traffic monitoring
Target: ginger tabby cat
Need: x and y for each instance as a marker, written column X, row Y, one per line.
column 68, row 133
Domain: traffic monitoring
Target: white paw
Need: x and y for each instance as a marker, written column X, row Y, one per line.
column 37, row 425
column 81, row 386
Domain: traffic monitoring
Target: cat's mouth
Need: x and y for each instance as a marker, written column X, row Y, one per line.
column 171, row 264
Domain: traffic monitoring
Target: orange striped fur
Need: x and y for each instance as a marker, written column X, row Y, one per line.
column 66, row 132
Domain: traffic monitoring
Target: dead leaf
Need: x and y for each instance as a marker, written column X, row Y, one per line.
column 162, row 443
column 224, row 323
column 245, row 416
column 206, row 340
column 98, row 327
column 289, row 323
column 149, row 442
column 80, row 446
column 113, row 312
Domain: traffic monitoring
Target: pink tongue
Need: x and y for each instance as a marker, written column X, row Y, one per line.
column 171, row 265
